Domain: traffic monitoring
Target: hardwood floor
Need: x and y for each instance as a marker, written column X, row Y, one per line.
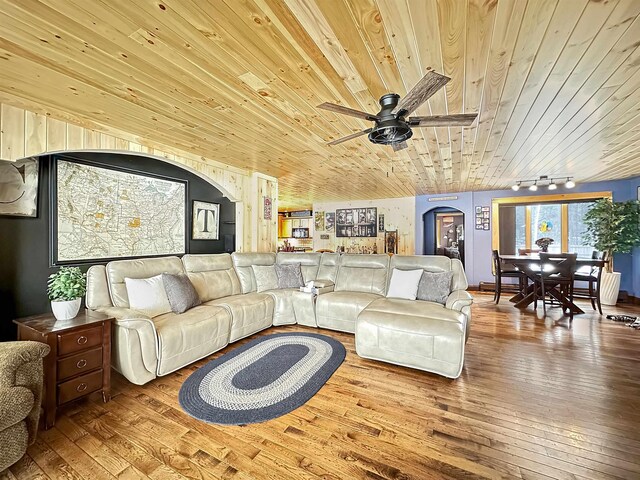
column 536, row 400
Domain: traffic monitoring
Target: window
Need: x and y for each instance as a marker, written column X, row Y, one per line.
column 520, row 221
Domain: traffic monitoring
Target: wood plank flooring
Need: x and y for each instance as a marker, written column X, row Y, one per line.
column 536, row 400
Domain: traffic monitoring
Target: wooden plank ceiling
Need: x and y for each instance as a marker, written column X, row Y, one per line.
column 555, row 83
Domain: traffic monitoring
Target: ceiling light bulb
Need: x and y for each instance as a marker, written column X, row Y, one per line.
column 534, row 187
column 570, row 184
column 515, row 187
column 552, row 186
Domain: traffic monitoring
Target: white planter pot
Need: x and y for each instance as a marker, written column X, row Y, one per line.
column 66, row 310
column 610, row 288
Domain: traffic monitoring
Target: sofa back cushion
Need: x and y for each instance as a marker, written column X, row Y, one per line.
column 309, row 263
column 328, row 269
column 242, row 263
column 118, row 270
column 97, row 288
column 363, row 273
column 212, row 275
column 434, row 264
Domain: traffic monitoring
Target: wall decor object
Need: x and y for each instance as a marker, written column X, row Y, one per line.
column 483, row 214
column 391, row 241
column 102, row 213
column 442, row 199
column 205, row 224
column 325, row 236
column 19, row 188
column 330, row 221
column 356, row 222
column 319, row 221
column 381, row 222
column 268, row 208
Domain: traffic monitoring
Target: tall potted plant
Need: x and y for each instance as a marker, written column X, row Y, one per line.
column 612, row 227
column 65, row 289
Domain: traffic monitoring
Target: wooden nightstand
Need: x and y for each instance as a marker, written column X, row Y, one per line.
column 80, row 359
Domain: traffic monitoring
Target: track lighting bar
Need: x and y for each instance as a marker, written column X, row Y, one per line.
column 544, row 180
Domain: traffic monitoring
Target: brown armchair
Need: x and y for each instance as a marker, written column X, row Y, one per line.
column 21, row 378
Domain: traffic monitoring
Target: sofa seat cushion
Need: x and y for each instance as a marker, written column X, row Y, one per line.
column 187, row 337
column 416, row 334
column 283, row 313
column 250, row 313
column 339, row 310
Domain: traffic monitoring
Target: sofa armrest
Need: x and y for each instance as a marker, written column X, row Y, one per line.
column 14, row 355
column 458, row 299
column 144, row 328
column 323, row 284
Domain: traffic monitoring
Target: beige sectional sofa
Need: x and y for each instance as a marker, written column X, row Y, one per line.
column 424, row 335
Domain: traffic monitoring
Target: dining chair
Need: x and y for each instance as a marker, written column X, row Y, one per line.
column 593, row 278
column 500, row 272
column 528, row 251
column 557, row 272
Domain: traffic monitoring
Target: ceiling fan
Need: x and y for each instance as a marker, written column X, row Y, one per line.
column 392, row 127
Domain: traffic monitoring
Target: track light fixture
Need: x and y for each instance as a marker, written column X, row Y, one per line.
column 544, row 180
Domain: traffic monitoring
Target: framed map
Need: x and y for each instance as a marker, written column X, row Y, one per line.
column 101, row 213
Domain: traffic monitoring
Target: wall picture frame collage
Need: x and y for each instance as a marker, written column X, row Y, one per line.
column 357, row 222
column 483, row 217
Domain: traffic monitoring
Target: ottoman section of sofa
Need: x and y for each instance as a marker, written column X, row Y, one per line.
column 413, row 333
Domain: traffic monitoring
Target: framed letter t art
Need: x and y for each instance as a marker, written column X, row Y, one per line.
column 206, row 221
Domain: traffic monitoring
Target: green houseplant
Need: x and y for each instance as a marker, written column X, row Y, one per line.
column 612, row 227
column 65, row 289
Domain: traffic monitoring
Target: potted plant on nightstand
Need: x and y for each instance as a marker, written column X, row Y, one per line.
column 65, row 289
column 612, row 227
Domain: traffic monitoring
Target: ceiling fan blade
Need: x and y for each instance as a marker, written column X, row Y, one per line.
column 399, row 146
column 420, row 93
column 349, row 137
column 459, row 120
column 332, row 107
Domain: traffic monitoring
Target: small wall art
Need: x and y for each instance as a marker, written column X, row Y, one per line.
column 268, row 208
column 483, row 218
column 19, row 188
column 391, row 241
column 206, row 221
column 319, row 221
column 381, row 222
column 330, row 221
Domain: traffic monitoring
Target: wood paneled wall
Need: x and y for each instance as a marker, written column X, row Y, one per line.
column 25, row 133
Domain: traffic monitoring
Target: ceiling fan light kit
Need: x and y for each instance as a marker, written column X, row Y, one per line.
column 551, row 185
column 391, row 125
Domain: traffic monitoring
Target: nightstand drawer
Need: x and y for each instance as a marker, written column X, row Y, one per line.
column 79, row 363
column 80, row 386
column 79, row 340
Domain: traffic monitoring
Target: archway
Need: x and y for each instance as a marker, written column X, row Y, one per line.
column 444, row 232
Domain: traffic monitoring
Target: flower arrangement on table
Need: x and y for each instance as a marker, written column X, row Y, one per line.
column 544, row 243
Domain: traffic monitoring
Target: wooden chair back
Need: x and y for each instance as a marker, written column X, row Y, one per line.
column 561, row 265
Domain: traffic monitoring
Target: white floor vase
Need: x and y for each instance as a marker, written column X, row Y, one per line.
column 610, row 288
column 66, row 310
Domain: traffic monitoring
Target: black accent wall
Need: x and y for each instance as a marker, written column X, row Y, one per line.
column 24, row 242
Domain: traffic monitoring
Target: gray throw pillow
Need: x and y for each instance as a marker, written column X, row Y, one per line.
column 266, row 278
column 289, row 275
column 435, row 287
column 180, row 292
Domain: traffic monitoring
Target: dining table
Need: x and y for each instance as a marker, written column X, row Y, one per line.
column 531, row 265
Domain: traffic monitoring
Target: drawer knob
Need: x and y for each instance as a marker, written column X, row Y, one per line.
column 82, row 363
column 82, row 340
column 82, row 387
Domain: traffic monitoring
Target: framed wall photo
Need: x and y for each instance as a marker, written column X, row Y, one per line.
column 381, row 222
column 391, row 241
column 357, row 222
column 330, row 221
column 19, row 188
column 206, row 221
column 319, row 221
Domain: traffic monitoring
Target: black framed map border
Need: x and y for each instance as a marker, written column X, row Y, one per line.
column 357, row 222
column 100, row 213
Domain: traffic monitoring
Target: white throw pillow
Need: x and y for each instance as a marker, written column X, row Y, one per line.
column 404, row 284
column 266, row 277
column 148, row 295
